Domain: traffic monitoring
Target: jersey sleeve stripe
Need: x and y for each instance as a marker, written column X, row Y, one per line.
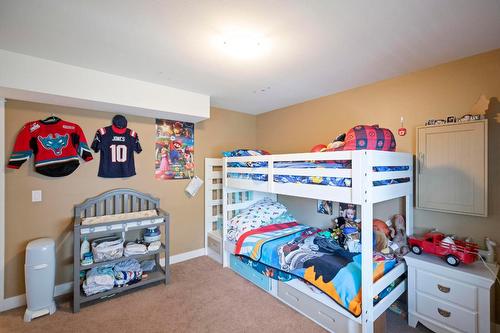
column 57, row 160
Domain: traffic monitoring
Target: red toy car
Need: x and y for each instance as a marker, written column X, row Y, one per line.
column 453, row 252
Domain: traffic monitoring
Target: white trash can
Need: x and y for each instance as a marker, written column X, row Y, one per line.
column 40, row 275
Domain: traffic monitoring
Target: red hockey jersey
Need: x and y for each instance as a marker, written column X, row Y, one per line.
column 56, row 145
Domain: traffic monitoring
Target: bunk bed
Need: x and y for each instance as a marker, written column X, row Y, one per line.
column 361, row 177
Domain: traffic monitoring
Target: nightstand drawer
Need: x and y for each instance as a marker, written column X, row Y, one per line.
column 446, row 313
column 447, row 289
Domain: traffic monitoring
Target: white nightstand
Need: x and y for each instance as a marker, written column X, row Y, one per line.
column 450, row 299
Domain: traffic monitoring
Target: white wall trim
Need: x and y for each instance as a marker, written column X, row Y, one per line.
column 2, row 200
column 186, row 256
column 67, row 287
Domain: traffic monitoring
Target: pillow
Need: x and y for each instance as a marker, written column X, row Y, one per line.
column 369, row 137
column 263, row 212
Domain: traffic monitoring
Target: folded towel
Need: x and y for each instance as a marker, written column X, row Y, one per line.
column 133, row 248
column 154, row 246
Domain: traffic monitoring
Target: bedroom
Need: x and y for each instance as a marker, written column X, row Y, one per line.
column 271, row 84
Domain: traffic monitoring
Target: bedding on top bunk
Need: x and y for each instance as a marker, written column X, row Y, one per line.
column 314, row 180
column 318, row 180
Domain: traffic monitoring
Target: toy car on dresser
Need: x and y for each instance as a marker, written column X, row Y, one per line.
column 453, row 251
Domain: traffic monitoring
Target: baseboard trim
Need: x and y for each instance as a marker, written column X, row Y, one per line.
column 186, row 256
column 67, row 287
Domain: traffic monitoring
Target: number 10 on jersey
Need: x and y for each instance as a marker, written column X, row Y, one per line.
column 118, row 153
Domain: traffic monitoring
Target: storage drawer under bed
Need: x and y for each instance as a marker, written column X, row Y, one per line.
column 319, row 312
column 249, row 273
column 214, row 244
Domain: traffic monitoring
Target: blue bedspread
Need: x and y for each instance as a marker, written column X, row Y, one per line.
column 300, row 251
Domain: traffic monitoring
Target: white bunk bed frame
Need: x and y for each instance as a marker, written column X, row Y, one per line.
column 362, row 192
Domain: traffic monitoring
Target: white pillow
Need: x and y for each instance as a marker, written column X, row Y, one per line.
column 262, row 213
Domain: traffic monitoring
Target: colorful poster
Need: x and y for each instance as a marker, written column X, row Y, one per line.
column 174, row 149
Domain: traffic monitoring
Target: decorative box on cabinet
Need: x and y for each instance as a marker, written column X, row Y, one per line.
column 450, row 299
column 452, row 173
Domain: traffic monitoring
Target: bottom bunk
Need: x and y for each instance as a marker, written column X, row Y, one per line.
column 306, row 299
column 306, row 269
column 290, row 250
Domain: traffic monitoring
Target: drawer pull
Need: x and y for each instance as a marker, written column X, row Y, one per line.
column 326, row 316
column 295, row 298
column 443, row 289
column 444, row 313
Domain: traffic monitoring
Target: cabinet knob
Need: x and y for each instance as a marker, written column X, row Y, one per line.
column 444, row 313
column 443, row 289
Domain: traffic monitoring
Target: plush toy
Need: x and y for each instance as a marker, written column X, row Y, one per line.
column 337, row 231
column 381, row 226
column 381, row 240
column 337, row 142
column 399, row 239
column 318, row 148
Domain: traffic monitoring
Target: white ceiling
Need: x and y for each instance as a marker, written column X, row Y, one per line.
column 318, row 47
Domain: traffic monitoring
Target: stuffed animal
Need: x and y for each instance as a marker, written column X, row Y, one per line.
column 381, row 241
column 337, row 230
column 381, row 226
column 337, row 142
column 400, row 239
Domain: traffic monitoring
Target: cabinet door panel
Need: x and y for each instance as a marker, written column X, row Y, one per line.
column 452, row 168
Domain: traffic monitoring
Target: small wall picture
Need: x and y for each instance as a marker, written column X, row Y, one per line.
column 325, row 207
column 348, row 211
column 451, row 119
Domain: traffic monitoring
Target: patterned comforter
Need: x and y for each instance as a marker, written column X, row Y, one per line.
column 300, row 251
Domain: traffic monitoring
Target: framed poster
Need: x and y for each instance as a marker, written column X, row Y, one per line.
column 348, row 211
column 174, row 149
column 325, row 207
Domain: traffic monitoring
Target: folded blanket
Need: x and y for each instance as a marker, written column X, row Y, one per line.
column 133, row 248
column 99, row 279
column 127, row 272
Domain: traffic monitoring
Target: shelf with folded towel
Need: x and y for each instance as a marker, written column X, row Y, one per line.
column 155, row 276
column 117, row 260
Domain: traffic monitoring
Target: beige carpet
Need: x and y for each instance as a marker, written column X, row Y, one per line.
column 202, row 297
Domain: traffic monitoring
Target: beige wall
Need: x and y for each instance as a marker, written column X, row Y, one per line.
column 53, row 217
column 449, row 89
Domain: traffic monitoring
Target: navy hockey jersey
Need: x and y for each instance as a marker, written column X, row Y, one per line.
column 117, row 147
column 56, row 146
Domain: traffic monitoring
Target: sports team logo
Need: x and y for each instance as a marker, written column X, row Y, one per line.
column 56, row 144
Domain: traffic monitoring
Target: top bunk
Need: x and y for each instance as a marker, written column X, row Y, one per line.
column 358, row 176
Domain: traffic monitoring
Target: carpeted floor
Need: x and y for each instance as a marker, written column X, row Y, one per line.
column 202, row 297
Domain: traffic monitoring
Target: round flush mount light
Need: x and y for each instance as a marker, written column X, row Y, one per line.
column 241, row 44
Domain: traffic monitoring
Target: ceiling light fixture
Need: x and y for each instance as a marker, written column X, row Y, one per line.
column 242, row 44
